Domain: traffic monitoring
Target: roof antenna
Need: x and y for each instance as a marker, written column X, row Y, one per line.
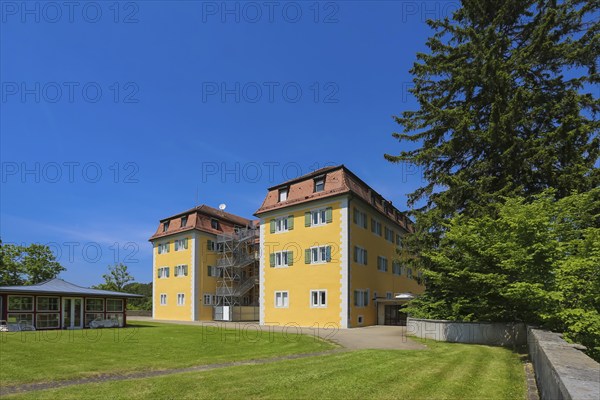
column 222, row 207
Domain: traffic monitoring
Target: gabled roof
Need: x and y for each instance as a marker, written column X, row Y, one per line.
column 339, row 180
column 199, row 218
column 59, row 286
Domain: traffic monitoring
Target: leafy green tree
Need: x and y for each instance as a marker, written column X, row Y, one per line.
column 116, row 278
column 533, row 261
column 27, row 265
column 145, row 289
column 507, row 107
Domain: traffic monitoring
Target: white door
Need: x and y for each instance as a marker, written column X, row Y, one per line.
column 72, row 313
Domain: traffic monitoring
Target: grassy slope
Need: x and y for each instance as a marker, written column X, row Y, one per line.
column 446, row 371
column 45, row 356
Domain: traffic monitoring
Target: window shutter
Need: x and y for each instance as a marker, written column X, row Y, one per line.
column 209, row 244
column 185, row 270
column 185, row 244
column 355, row 254
column 272, row 260
column 365, row 257
column 307, row 256
column 290, row 222
column 272, row 228
column 158, row 273
column 367, row 295
column 355, row 216
column 168, row 270
column 307, row 217
column 328, row 215
column 356, row 297
column 210, row 270
column 290, row 258
column 328, row 253
column 372, row 225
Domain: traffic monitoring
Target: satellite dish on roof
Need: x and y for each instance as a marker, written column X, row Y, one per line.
column 222, row 206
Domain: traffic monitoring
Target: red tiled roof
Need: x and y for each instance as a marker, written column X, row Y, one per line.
column 338, row 180
column 200, row 218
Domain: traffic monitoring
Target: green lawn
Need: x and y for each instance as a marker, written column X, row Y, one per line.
column 56, row 355
column 445, row 371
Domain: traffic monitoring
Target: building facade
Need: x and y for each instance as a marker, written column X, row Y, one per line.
column 323, row 252
column 329, row 253
column 195, row 268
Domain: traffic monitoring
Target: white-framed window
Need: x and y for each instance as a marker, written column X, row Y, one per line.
column 360, row 255
column 163, row 299
column 163, row 272
column 409, row 273
column 318, row 217
column 180, row 270
column 89, row 317
column 389, row 234
column 181, row 244
column 94, row 305
column 283, row 194
column 396, row 268
column 281, row 259
column 382, row 264
column 18, row 318
column 214, row 223
column 398, row 239
column 361, row 297
column 282, row 300
column 375, row 226
column 319, row 184
column 114, row 305
column 163, row 248
column 180, row 299
column 213, row 271
column 47, row 303
column 318, row 298
column 47, row 320
column 360, row 218
column 282, row 224
column 20, row 303
column 208, row 299
column 320, row 254
column 388, row 295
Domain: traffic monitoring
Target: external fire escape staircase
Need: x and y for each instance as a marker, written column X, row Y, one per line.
column 237, row 267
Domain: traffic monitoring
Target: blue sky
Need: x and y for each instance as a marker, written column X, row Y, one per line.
column 117, row 114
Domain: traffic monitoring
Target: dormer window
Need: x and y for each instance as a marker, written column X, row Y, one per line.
column 184, row 221
column 283, row 194
column 319, row 184
column 214, row 223
column 165, row 226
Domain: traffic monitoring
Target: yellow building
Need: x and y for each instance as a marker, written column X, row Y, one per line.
column 326, row 257
column 197, row 274
column 328, row 254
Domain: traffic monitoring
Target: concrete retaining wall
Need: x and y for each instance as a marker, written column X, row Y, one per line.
column 561, row 371
column 493, row 334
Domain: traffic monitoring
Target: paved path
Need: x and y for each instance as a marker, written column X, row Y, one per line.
column 370, row 337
